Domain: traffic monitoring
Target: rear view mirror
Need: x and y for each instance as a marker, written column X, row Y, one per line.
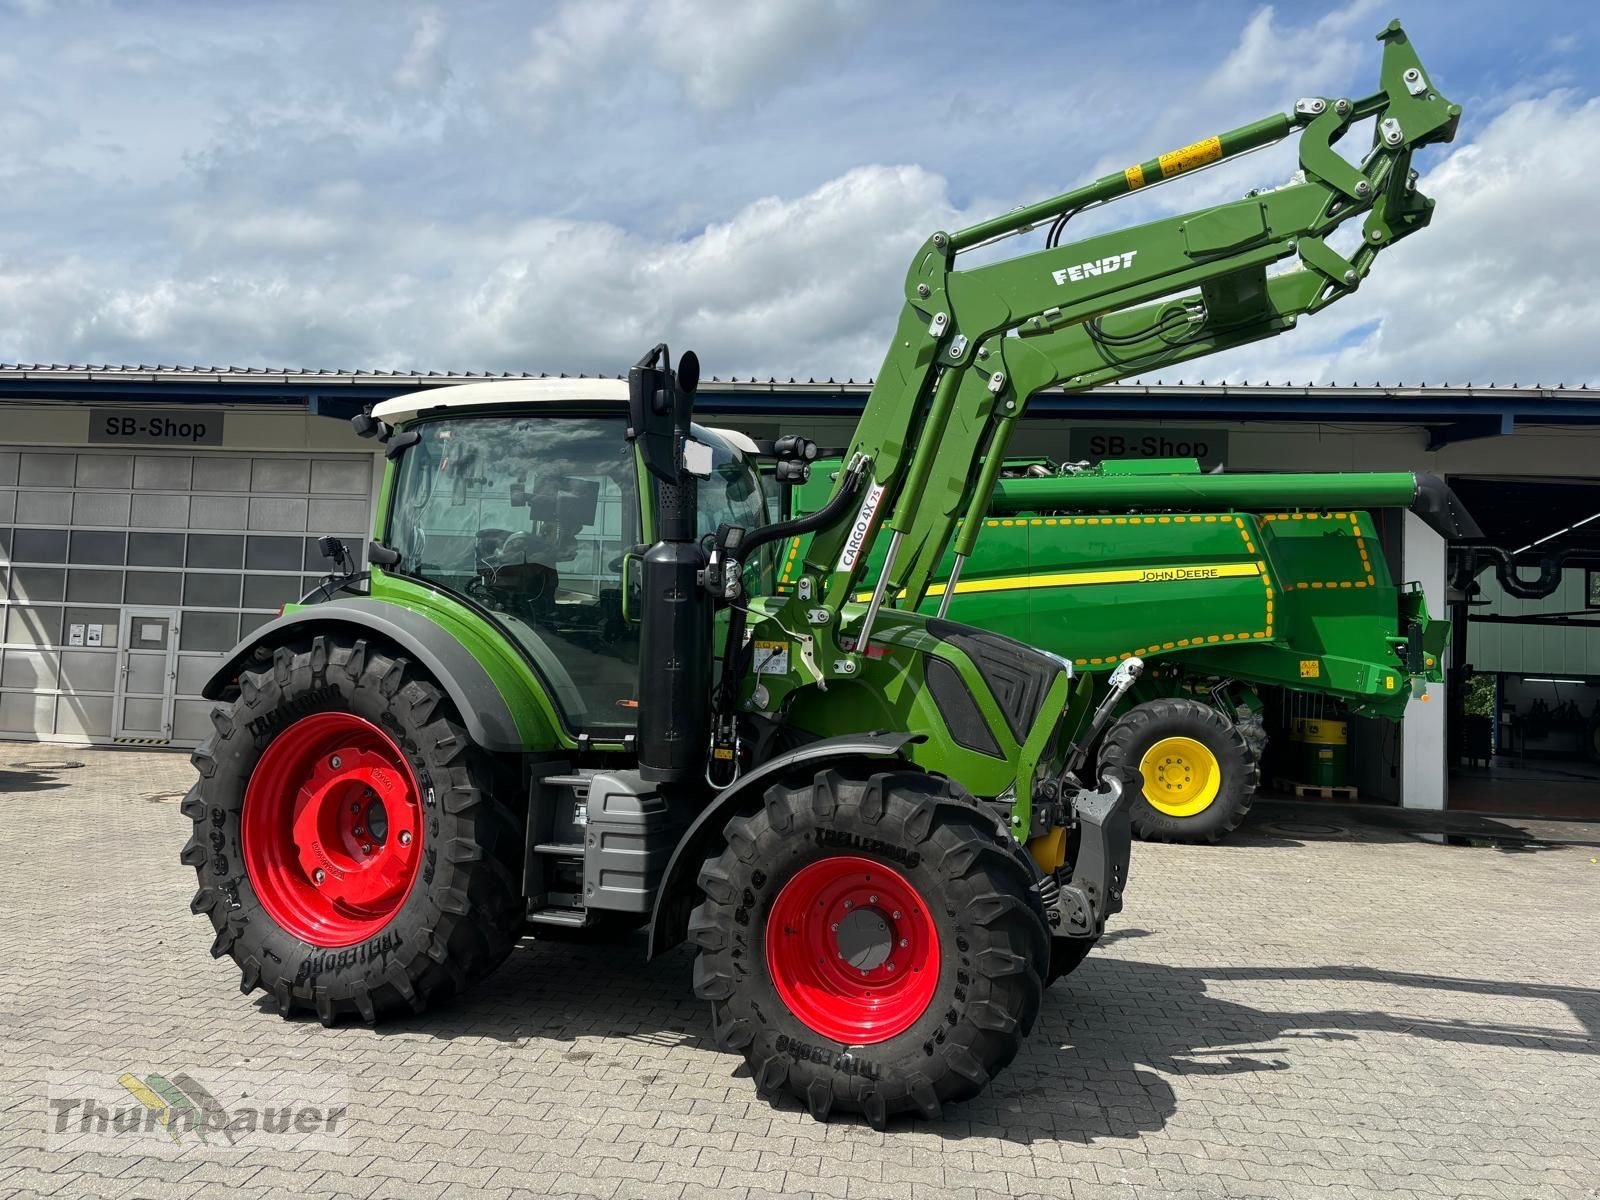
column 368, row 426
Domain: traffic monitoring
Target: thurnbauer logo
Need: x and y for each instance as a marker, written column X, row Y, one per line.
column 181, row 1106
column 1078, row 272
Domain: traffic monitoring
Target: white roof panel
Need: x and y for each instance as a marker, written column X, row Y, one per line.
column 507, row 391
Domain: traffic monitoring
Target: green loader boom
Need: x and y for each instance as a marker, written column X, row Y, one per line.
column 567, row 696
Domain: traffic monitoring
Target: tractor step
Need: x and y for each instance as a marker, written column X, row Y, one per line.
column 558, row 819
column 1316, row 791
column 562, row 918
column 577, row 781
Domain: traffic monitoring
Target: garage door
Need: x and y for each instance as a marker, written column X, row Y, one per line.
column 126, row 576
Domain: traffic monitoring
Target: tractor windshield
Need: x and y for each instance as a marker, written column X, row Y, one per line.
column 528, row 517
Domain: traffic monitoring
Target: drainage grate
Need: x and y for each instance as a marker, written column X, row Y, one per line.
column 1305, row 829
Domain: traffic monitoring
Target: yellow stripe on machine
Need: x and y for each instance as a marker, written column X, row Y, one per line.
column 1153, row 574
column 1196, row 154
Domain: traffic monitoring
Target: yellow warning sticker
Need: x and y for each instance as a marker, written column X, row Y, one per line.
column 1198, row 154
column 1310, row 668
column 1135, row 176
column 772, row 658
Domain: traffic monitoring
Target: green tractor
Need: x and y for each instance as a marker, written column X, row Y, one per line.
column 567, row 695
column 1221, row 584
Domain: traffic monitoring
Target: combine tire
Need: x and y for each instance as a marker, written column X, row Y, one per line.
column 870, row 943
column 1199, row 775
column 351, row 857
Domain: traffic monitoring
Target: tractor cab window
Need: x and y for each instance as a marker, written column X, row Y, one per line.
column 528, row 517
column 733, row 495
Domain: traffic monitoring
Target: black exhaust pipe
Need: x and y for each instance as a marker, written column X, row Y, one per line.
column 675, row 612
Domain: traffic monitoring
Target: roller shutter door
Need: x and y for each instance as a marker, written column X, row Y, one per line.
column 125, row 576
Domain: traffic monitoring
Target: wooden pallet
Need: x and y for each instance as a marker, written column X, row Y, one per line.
column 1313, row 791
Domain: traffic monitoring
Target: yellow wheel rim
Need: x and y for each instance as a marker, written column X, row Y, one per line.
column 1181, row 776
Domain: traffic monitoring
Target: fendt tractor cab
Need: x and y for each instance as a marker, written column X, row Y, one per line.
column 569, row 694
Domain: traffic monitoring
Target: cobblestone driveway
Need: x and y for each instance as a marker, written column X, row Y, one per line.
column 1291, row 1015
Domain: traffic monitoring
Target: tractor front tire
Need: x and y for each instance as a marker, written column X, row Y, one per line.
column 1199, row 776
column 871, row 943
column 351, row 856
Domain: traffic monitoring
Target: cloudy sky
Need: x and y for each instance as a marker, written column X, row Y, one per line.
column 555, row 186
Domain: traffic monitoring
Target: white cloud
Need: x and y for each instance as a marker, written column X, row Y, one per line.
column 349, row 190
column 1498, row 288
column 719, row 52
column 782, row 286
column 1270, row 58
column 424, row 67
column 579, row 48
column 715, row 53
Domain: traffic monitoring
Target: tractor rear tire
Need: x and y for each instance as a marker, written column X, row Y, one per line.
column 1199, row 776
column 351, row 855
column 871, row 942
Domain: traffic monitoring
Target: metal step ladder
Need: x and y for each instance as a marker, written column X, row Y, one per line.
column 553, row 865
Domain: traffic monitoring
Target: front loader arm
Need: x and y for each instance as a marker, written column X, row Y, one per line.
column 972, row 346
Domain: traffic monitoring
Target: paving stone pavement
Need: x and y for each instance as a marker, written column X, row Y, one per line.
column 1291, row 1015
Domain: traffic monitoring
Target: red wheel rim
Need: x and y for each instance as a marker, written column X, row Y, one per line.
column 852, row 950
column 332, row 829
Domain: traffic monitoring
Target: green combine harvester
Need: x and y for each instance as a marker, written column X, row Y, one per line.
column 1221, row 584
column 567, row 695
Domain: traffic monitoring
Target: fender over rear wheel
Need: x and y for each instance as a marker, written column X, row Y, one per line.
column 350, row 853
column 871, row 943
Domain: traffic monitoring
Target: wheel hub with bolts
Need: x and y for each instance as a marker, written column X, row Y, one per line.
column 1181, row 776
column 329, row 829
column 852, row 950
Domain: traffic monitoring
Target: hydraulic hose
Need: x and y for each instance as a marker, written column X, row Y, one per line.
column 834, row 510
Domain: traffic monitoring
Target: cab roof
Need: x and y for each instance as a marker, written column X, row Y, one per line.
column 401, row 409
column 510, row 391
